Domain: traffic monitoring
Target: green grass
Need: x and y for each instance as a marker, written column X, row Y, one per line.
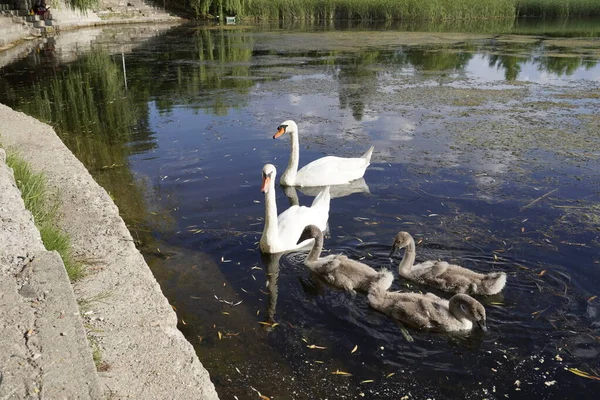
column 380, row 9
column 44, row 209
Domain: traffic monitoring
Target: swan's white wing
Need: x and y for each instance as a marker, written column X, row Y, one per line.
column 331, row 170
column 292, row 222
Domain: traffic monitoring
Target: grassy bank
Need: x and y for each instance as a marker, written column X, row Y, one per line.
column 44, row 209
column 435, row 10
column 557, row 8
column 380, row 9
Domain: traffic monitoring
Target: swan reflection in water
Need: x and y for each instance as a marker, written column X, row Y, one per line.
column 271, row 263
column 335, row 191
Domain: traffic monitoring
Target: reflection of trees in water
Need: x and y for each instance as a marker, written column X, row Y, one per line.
column 96, row 117
column 209, row 69
column 358, row 73
column 559, row 65
column 510, row 64
column 358, row 81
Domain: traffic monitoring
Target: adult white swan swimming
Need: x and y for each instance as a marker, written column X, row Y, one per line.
column 324, row 171
column 282, row 232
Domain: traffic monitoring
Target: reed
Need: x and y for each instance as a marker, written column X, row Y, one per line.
column 379, row 9
column 558, row 8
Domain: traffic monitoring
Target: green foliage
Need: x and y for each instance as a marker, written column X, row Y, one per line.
column 558, row 8
column 379, row 9
column 45, row 212
column 82, row 5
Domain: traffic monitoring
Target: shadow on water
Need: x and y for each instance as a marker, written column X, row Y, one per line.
column 485, row 151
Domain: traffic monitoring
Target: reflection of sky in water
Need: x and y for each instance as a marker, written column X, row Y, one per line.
column 479, row 68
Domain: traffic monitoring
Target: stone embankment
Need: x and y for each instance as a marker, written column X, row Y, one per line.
column 17, row 25
column 44, row 351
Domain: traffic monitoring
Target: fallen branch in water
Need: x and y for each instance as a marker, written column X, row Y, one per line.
column 538, row 199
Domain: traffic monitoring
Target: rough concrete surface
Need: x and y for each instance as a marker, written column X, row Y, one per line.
column 43, row 349
column 143, row 354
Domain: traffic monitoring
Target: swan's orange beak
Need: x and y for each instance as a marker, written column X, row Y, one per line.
column 265, row 183
column 280, row 131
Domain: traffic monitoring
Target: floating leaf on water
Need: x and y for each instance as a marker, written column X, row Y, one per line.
column 433, row 215
column 521, row 266
column 257, row 312
column 220, row 335
column 549, row 383
column 359, row 239
column 255, row 267
column 591, row 298
column 275, row 324
column 304, row 340
column 495, row 257
column 224, row 260
column 320, row 362
column 583, row 374
column 173, row 307
column 225, row 313
column 262, row 396
column 522, row 229
column 354, row 349
column 406, row 335
column 183, row 322
column 265, row 323
column 420, row 241
column 314, row 346
column 338, row 372
column 542, row 273
column 390, row 374
column 367, row 381
column 496, row 303
column 237, row 304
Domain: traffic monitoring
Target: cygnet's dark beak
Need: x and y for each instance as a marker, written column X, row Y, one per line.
column 393, row 250
column 482, row 325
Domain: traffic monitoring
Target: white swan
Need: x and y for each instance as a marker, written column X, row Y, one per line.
column 323, row 171
column 337, row 269
column 281, row 232
column 426, row 311
column 444, row 276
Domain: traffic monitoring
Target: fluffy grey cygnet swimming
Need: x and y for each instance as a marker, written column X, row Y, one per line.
column 444, row 276
column 426, row 311
column 337, row 269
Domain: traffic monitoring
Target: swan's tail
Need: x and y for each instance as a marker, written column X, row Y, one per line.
column 368, row 154
column 494, row 282
column 381, row 283
column 322, row 199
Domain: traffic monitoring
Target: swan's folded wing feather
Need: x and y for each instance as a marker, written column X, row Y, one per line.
column 292, row 221
column 331, row 170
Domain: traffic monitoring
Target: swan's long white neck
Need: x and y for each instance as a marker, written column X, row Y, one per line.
column 408, row 260
column 289, row 175
column 315, row 252
column 270, row 234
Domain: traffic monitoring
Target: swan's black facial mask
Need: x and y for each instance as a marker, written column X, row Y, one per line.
column 280, row 131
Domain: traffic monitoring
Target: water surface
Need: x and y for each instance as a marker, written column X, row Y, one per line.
column 487, row 151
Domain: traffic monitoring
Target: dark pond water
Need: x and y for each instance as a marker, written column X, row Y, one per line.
column 487, row 150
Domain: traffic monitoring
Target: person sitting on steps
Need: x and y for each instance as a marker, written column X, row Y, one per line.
column 42, row 10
